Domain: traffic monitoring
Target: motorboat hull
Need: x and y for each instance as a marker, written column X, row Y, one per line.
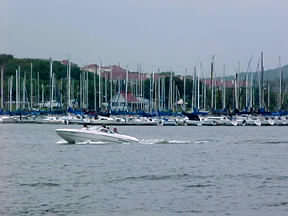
column 82, row 135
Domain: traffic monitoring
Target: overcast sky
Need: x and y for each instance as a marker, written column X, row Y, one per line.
column 170, row 34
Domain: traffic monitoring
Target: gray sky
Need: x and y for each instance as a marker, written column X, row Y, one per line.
column 170, row 34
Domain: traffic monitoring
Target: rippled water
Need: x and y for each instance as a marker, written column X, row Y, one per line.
column 172, row 171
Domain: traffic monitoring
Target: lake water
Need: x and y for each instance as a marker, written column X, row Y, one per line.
column 172, row 171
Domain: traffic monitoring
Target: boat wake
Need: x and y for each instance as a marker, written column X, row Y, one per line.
column 162, row 141
column 262, row 141
column 165, row 141
column 62, row 142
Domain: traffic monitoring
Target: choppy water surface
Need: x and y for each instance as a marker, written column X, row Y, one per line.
column 172, row 171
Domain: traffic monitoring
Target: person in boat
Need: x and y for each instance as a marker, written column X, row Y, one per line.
column 115, row 130
column 85, row 126
column 104, row 126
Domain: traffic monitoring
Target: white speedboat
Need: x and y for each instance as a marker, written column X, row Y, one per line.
column 94, row 134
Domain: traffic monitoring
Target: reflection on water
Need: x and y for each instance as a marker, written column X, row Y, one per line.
column 172, row 171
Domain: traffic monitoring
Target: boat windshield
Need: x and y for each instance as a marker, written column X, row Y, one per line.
column 103, row 129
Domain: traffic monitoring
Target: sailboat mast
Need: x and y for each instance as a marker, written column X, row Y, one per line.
column 159, row 90
column 280, row 85
column 212, row 84
column 236, row 91
column 105, row 87
column 17, row 92
column 51, row 83
column 262, row 80
column 268, row 95
column 111, row 87
column 61, row 97
column 195, row 87
column 205, row 91
column 170, row 91
column 173, row 95
column 142, row 106
column 137, row 87
column 224, row 87
column 259, row 86
column 52, row 89
column 10, row 91
column 193, row 90
column 246, row 91
column 42, row 87
column 2, row 87
column 204, row 96
column 192, row 84
column 31, row 86
column 24, row 91
column 141, row 86
column 99, row 87
column 126, row 90
column 87, row 90
column 198, row 87
column 162, row 94
column 251, row 91
column 80, row 86
column 247, row 85
column 69, row 84
column 83, row 89
column 38, row 90
column 184, row 90
column 215, row 93
column 19, row 87
column 153, row 91
column 94, row 84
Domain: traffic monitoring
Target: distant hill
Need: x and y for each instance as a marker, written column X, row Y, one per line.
column 274, row 74
column 269, row 75
column 39, row 65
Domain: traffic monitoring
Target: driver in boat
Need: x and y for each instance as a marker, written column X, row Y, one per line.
column 104, row 126
column 115, row 130
column 85, row 126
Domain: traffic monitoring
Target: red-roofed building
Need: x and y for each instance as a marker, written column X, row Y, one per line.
column 119, row 102
column 130, row 97
column 117, row 72
column 64, row 62
column 90, row 68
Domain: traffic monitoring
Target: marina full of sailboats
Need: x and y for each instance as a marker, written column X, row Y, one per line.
column 60, row 92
